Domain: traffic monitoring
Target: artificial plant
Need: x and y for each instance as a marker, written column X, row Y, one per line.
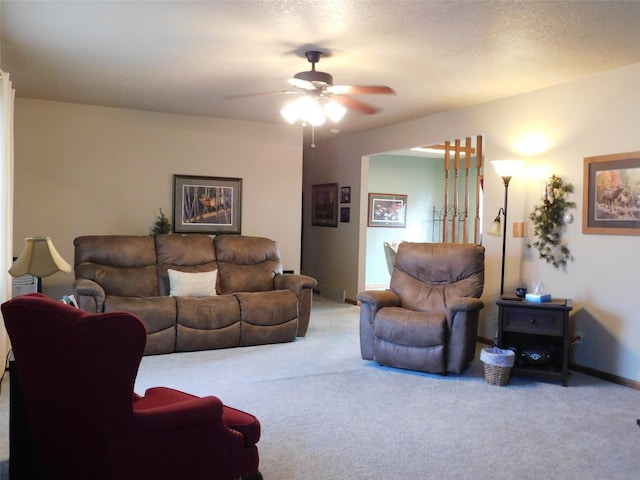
column 162, row 225
column 548, row 223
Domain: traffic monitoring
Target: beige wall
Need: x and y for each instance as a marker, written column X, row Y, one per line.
column 597, row 115
column 91, row 170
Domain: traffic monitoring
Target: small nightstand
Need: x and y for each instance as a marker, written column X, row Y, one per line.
column 524, row 325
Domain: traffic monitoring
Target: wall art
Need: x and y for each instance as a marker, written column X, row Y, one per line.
column 387, row 210
column 206, row 204
column 324, row 205
column 611, row 194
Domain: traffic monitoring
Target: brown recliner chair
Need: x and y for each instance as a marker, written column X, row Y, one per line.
column 428, row 319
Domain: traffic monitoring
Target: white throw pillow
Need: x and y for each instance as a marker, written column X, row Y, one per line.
column 184, row 284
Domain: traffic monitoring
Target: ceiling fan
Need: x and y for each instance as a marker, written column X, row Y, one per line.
column 319, row 97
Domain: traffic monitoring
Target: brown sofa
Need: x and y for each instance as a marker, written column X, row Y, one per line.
column 253, row 303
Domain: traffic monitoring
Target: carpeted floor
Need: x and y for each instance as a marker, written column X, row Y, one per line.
column 326, row 414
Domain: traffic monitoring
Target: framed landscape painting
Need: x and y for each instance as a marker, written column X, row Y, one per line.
column 206, row 204
column 611, row 194
column 387, row 210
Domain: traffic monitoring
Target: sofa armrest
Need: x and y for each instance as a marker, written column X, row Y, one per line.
column 302, row 286
column 295, row 283
column 89, row 295
column 370, row 302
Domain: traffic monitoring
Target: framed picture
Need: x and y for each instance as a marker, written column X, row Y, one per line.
column 345, row 194
column 386, row 210
column 611, row 194
column 345, row 214
column 324, row 205
column 206, row 204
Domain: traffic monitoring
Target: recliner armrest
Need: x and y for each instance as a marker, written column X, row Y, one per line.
column 465, row 304
column 379, row 298
column 89, row 295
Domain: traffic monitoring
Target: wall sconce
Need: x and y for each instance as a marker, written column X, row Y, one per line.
column 505, row 169
column 39, row 258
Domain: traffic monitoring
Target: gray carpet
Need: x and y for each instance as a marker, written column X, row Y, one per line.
column 327, row 414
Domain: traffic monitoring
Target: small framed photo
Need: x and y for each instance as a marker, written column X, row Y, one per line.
column 387, row 210
column 345, row 214
column 206, row 204
column 324, row 205
column 611, row 194
column 345, row 194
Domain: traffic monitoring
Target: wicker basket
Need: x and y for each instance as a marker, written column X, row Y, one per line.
column 496, row 375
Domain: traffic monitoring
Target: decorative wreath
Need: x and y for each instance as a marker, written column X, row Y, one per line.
column 549, row 221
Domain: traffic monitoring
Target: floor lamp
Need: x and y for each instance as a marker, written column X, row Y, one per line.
column 39, row 258
column 505, row 169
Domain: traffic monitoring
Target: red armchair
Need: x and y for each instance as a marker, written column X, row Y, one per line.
column 77, row 374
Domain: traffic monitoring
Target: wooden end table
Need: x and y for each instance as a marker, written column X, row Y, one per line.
column 523, row 325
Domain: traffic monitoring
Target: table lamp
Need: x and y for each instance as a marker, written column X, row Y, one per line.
column 39, row 258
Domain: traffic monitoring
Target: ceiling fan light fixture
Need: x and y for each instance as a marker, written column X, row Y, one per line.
column 334, row 111
column 290, row 112
column 307, row 109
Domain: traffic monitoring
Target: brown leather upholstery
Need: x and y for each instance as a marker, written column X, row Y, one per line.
column 428, row 319
column 256, row 303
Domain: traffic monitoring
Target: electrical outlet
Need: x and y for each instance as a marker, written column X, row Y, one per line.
column 578, row 338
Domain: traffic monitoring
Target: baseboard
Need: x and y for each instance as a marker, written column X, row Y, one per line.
column 609, row 377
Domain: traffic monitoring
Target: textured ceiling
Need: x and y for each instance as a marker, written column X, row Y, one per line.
column 187, row 57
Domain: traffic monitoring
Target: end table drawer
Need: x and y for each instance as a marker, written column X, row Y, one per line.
column 532, row 321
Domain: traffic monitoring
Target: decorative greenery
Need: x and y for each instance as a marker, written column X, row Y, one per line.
column 162, row 225
column 548, row 223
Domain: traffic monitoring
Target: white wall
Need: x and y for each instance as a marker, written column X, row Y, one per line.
column 597, row 115
column 83, row 170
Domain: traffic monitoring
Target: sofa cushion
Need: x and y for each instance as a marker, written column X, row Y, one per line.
column 185, row 253
column 268, row 317
column 158, row 315
column 123, row 265
column 246, row 264
column 207, row 323
column 199, row 284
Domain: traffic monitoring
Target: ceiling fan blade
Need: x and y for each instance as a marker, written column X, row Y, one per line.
column 360, row 89
column 354, row 104
column 300, row 83
column 259, row 94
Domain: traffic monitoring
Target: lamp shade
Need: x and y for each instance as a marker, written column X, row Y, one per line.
column 507, row 168
column 496, row 228
column 39, row 258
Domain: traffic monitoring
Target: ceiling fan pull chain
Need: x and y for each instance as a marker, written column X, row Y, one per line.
column 313, row 136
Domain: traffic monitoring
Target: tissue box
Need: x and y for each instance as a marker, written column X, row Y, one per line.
column 532, row 297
